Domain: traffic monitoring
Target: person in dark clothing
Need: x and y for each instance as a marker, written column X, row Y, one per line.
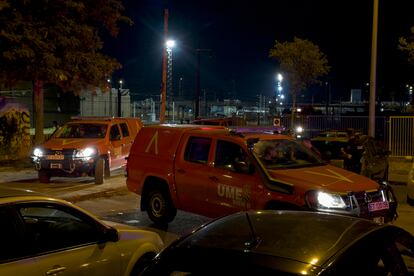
column 354, row 154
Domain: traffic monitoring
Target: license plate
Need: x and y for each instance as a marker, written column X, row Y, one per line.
column 55, row 166
column 379, row 220
column 56, row 157
column 375, row 206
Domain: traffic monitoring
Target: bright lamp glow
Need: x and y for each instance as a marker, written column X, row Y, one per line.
column 279, row 77
column 87, row 152
column 330, row 200
column 299, row 129
column 170, row 44
column 37, row 152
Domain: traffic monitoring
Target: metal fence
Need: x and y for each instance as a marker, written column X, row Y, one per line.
column 313, row 124
column 401, row 135
column 396, row 132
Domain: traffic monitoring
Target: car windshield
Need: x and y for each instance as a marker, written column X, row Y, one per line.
column 284, row 153
column 84, row 130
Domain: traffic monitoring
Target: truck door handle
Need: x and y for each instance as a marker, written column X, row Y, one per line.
column 213, row 178
column 55, row 270
column 180, row 170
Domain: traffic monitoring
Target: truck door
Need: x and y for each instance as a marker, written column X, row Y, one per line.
column 126, row 141
column 191, row 173
column 116, row 146
column 233, row 183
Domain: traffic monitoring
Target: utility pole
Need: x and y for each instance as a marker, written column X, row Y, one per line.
column 371, row 122
column 197, row 94
column 163, row 95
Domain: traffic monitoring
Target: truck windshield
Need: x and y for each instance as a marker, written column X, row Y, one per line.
column 81, row 131
column 283, row 153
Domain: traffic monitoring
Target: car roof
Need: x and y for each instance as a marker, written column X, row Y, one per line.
column 306, row 237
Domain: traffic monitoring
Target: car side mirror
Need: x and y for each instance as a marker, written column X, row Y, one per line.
column 110, row 234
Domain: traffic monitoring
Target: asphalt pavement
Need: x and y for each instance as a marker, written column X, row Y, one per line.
column 10, row 175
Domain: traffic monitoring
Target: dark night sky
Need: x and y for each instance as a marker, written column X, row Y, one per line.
column 241, row 33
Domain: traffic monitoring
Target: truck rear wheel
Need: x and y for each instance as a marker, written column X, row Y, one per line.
column 44, row 177
column 159, row 207
column 99, row 171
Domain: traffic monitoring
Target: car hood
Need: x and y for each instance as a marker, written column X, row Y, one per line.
column 325, row 177
column 70, row 143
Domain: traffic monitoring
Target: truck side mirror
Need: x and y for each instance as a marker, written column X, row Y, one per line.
column 243, row 167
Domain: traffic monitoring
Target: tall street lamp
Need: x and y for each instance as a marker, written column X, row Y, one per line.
column 170, row 44
column 373, row 77
column 164, row 72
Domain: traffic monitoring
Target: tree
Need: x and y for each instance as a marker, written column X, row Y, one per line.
column 302, row 63
column 406, row 44
column 57, row 42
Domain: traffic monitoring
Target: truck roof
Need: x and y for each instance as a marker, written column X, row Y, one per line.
column 217, row 130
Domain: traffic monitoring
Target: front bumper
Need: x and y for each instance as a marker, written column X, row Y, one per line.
column 379, row 206
column 66, row 166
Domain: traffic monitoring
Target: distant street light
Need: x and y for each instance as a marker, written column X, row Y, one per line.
column 119, row 98
column 110, row 96
column 279, row 77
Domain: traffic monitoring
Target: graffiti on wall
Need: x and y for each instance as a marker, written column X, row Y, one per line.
column 15, row 142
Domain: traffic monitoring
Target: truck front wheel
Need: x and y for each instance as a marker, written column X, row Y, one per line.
column 44, row 176
column 99, row 171
column 159, row 207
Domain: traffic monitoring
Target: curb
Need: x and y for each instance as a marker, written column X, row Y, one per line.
column 94, row 195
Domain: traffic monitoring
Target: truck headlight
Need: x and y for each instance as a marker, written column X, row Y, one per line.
column 85, row 153
column 299, row 129
column 324, row 200
column 38, row 152
column 330, row 200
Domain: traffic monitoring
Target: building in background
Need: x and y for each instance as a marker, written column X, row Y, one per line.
column 105, row 103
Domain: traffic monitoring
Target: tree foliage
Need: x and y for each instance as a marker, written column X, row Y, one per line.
column 301, row 62
column 406, row 44
column 57, row 42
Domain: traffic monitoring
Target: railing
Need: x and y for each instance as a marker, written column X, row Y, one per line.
column 401, row 136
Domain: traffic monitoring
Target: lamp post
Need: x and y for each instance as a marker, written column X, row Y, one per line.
column 197, row 94
column 169, row 44
column 373, row 78
column 279, row 88
column 119, row 97
column 164, row 72
column 110, row 96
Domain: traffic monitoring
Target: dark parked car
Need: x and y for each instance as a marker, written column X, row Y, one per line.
column 288, row 243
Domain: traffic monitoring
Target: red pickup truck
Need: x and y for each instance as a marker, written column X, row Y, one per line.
column 214, row 171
